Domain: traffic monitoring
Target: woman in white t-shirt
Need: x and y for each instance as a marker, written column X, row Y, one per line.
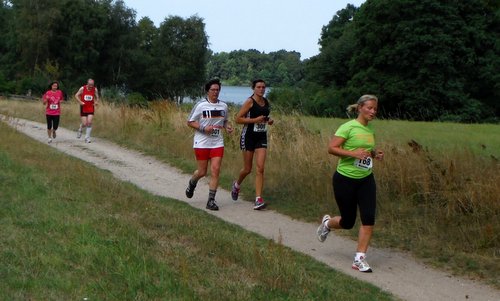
column 208, row 117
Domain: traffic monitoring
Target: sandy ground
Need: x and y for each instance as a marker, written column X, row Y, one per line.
column 395, row 272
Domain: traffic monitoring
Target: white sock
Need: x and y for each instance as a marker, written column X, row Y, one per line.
column 236, row 184
column 88, row 131
column 359, row 255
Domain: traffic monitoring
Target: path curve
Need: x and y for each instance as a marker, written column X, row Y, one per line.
column 395, row 272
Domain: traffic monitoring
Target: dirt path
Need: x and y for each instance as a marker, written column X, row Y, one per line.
column 394, row 272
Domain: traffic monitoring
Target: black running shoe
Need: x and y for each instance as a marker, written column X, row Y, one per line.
column 211, row 205
column 190, row 190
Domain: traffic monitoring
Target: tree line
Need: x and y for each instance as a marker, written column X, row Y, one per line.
column 241, row 67
column 425, row 59
column 72, row 40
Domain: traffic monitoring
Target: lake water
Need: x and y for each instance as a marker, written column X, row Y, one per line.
column 235, row 94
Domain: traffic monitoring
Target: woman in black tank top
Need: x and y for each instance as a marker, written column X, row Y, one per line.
column 254, row 115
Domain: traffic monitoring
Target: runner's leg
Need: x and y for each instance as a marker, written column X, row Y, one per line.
column 83, row 123
column 215, row 164
column 260, row 160
column 55, row 125
column 88, row 131
column 247, row 166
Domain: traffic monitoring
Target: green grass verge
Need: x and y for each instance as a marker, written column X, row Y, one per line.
column 70, row 231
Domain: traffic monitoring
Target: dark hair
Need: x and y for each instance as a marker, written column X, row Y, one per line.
column 212, row 82
column 255, row 82
column 54, row 82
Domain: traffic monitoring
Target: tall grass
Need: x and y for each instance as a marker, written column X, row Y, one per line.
column 72, row 232
column 438, row 192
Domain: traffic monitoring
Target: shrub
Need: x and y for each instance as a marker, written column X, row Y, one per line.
column 136, row 99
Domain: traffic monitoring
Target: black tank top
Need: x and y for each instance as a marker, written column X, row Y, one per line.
column 257, row 110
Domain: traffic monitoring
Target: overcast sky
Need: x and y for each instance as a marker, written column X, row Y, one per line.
column 265, row 25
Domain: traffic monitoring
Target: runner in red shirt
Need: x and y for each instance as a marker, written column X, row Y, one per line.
column 52, row 99
column 88, row 97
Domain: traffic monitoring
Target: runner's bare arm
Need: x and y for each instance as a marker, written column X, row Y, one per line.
column 241, row 115
column 97, row 99
column 77, row 96
column 196, row 125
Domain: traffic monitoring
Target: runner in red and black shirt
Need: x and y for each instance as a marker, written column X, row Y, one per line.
column 88, row 97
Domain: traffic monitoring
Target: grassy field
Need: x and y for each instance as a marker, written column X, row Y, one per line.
column 482, row 139
column 70, row 232
column 438, row 196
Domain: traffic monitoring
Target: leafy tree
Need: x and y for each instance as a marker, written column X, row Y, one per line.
column 289, row 70
column 424, row 59
column 142, row 58
column 180, row 53
column 331, row 66
column 93, row 39
column 7, row 44
column 114, row 64
column 33, row 23
column 72, row 40
column 240, row 67
column 415, row 53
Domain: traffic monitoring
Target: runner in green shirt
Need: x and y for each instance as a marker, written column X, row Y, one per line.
column 353, row 182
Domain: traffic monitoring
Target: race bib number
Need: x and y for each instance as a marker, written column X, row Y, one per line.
column 88, row 97
column 260, row 127
column 364, row 163
column 54, row 106
column 215, row 132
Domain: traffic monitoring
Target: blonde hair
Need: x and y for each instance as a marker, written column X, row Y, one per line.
column 361, row 101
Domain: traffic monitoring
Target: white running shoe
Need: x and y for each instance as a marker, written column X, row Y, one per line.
column 87, row 140
column 323, row 230
column 361, row 265
column 78, row 134
column 50, row 140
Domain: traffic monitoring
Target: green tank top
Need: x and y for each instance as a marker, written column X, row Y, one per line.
column 356, row 136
